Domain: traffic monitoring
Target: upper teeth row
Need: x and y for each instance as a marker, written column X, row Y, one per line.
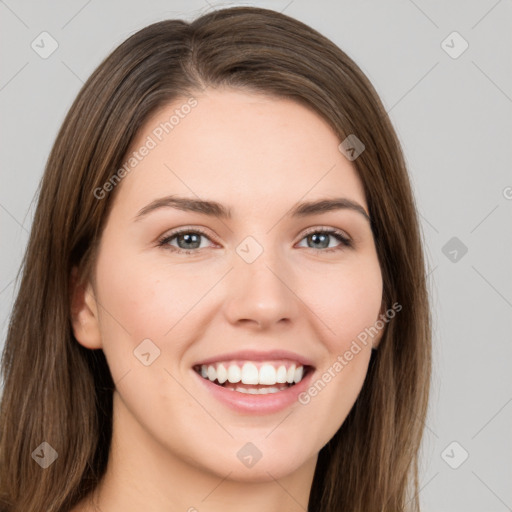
column 249, row 373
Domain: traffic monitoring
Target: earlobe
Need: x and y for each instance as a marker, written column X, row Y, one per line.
column 84, row 313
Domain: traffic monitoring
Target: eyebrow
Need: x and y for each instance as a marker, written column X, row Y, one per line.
column 215, row 209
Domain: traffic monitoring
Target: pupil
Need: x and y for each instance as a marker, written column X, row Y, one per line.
column 315, row 237
column 188, row 239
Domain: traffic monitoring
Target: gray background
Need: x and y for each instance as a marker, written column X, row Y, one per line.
column 453, row 118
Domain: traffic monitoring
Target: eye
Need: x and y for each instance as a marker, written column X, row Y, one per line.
column 320, row 238
column 188, row 240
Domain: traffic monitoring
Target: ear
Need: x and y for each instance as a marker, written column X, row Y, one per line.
column 84, row 313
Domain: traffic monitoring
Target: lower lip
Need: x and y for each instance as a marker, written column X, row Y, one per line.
column 257, row 404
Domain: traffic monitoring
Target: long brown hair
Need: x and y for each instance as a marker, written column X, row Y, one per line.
column 58, row 392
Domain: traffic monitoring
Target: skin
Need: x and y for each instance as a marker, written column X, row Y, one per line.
column 174, row 445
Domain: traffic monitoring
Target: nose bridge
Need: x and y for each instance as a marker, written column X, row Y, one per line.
column 260, row 287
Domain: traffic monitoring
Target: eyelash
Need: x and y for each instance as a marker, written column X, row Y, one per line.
column 339, row 235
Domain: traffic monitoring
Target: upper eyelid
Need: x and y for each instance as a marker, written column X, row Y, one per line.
column 327, row 228
column 200, row 230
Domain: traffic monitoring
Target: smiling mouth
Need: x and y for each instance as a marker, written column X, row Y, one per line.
column 253, row 377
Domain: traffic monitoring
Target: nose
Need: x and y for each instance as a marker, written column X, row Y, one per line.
column 261, row 294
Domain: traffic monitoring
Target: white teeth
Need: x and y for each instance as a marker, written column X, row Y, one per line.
column 262, row 391
column 250, row 374
column 281, row 374
column 222, row 374
column 290, row 374
column 268, row 390
column 298, row 374
column 267, row 374
column 234, row 373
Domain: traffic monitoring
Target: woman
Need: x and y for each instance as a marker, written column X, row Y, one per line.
column 223, row 302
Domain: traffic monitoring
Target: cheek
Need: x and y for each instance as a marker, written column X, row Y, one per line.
column 142, row 299
column 347, row 300
column 148, row 300
column 348, row 303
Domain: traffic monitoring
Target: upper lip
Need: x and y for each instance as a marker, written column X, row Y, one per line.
column 253, row 355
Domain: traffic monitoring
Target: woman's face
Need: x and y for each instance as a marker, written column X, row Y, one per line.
column 253, row 295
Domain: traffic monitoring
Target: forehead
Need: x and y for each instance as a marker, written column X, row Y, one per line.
column 243, row 149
